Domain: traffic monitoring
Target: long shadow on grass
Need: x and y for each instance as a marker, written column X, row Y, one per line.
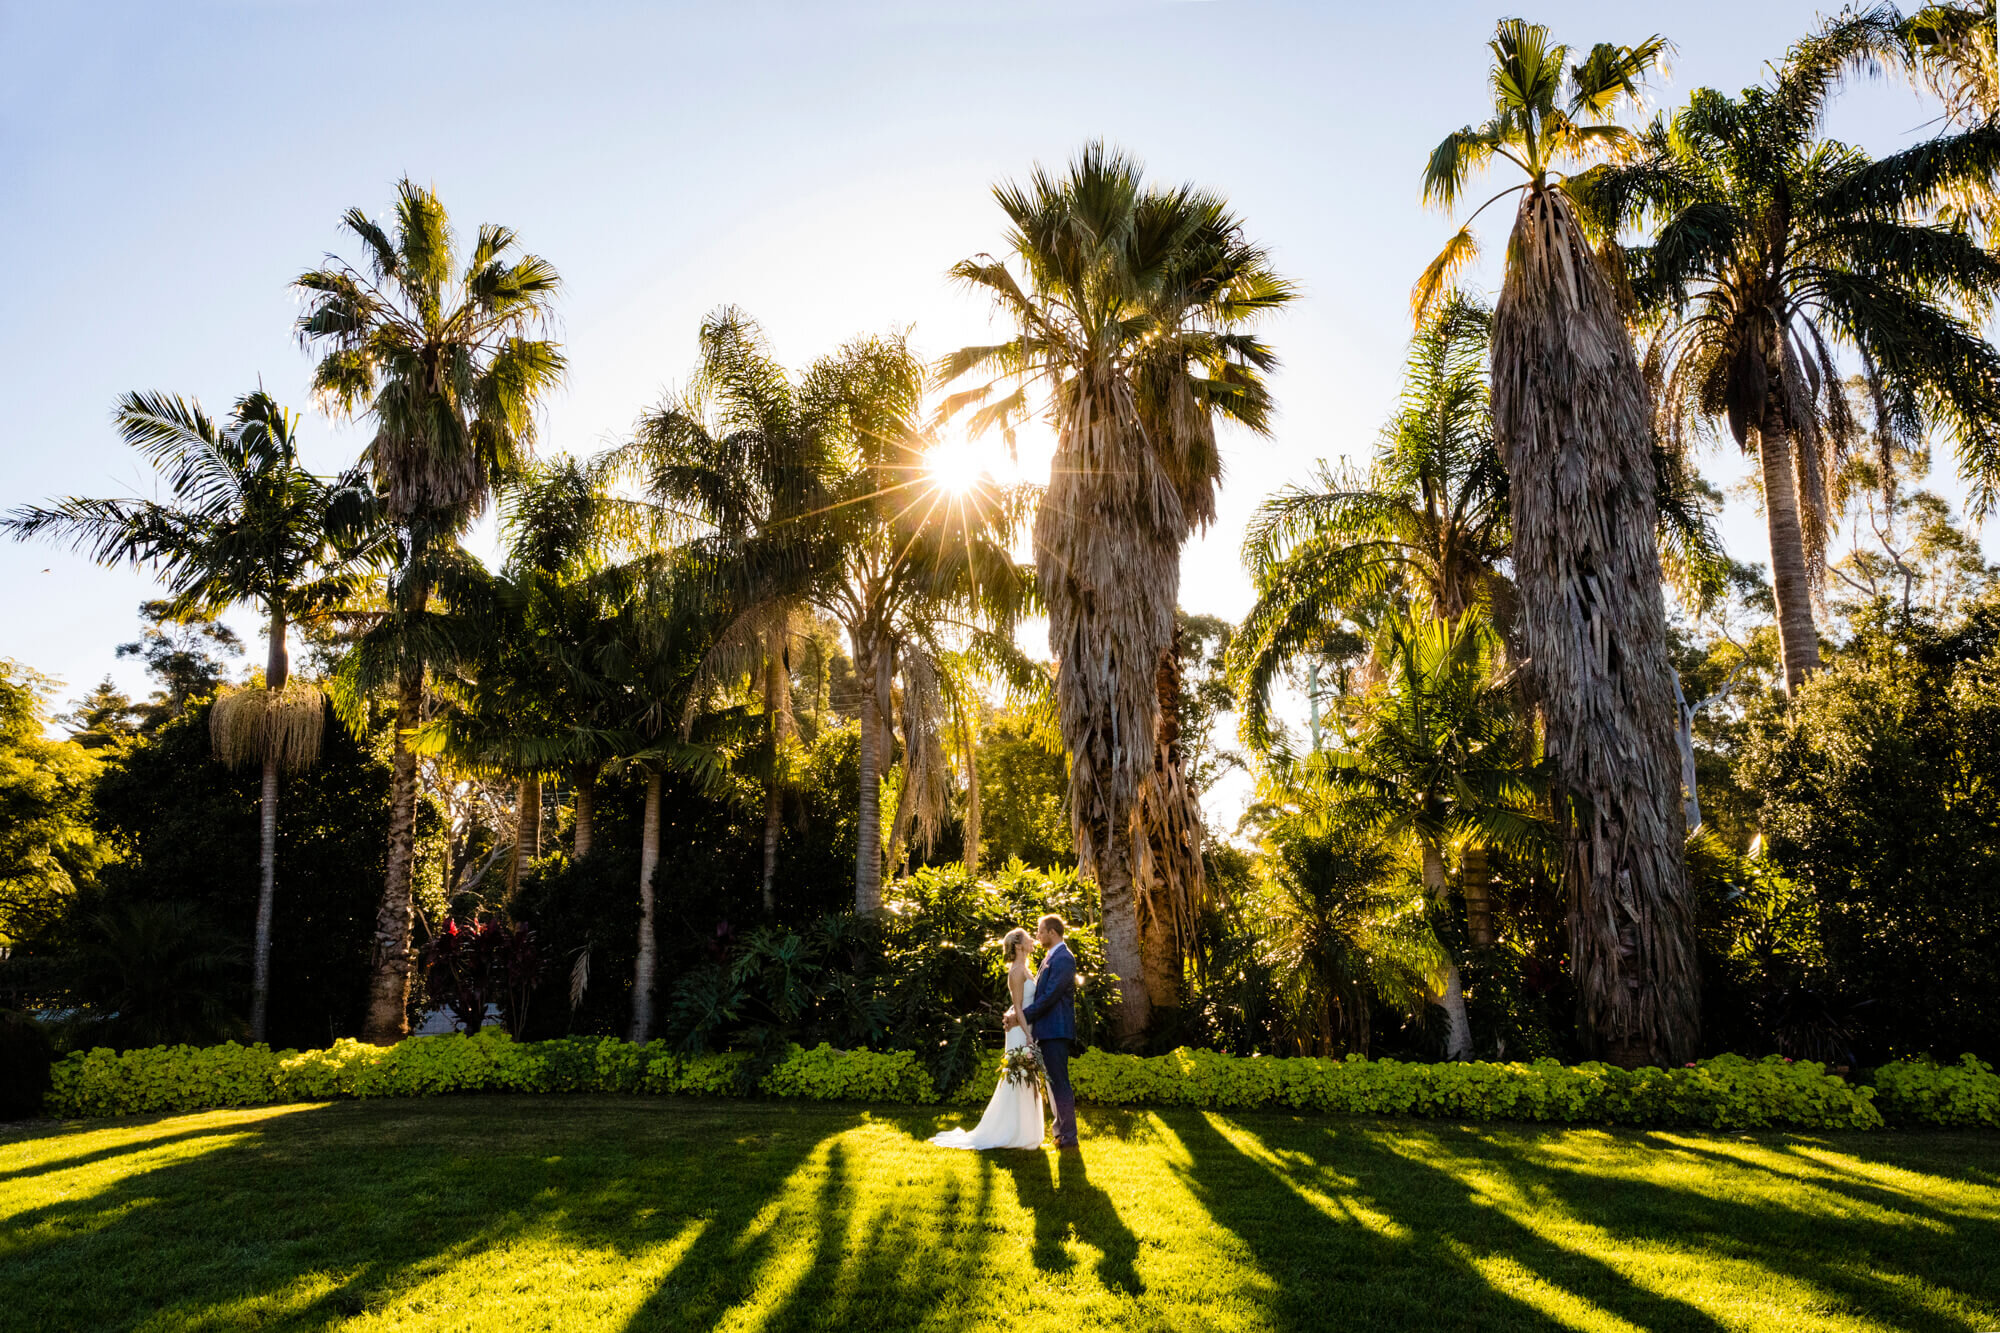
column 1856, row 1259
column 335, row 1212
column 1356, row 1236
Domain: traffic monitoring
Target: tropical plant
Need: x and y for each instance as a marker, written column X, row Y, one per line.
column 246, row 523
column 1341, row 928
column 1131, row 306
column 1428, row 523
column 438, row 348
column 1437, row 761
column 1950, row 46
column 1572, row 420
column 1774, row 248
column 924, row 585
column 748, row 457
column 160, row 973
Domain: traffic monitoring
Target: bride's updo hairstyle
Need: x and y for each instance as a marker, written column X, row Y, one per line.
column 1015, row 944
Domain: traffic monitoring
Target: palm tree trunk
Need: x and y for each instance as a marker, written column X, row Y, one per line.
column 1107, row 541
column 1684, row 737
column 645, row 961
column 969, row 741
column 1476, row 880
column 1575, row 429
column 277, row 667
column 267, row 892
column 586, row 809
column 778, row 720
column 1791, row 585
column 868, row 837
column 1458, row 1026
column 527, row 831
column 1123, row 952
column 1170, row 822
column 389, row 982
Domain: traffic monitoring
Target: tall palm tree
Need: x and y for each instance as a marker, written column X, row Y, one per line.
column 921, row 580
column 1773, row 248
column 1438, row 760
column 747, row 456
column 1429, row 520
column 562, row 526
column 1131, row 335
column 439, row 349
column 247, row 523
column 1573, row 423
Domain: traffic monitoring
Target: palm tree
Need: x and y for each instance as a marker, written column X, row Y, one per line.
column 1773, row 248
column 749, row 457
column 1429, row 520
column 1573, row 423
column 441, row 354
column 246, row 524
column 922, row 582
column 1342, row 923
column 1437, row 760
column 1950, row 46
column 1130, row 327
column 562, row 525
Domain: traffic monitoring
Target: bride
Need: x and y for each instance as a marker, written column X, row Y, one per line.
column 1013, row 1116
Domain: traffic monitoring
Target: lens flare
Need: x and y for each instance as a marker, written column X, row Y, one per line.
column 955, row 467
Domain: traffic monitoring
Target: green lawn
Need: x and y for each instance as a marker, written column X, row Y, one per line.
column 517, row 1213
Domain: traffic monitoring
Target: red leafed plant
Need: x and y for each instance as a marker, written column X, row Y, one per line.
column 492, row 961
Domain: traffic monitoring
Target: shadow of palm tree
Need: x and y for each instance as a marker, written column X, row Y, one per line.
column 332, row 1233
column 1360, row 1237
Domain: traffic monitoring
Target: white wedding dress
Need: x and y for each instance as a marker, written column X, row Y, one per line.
column 1013, row 1116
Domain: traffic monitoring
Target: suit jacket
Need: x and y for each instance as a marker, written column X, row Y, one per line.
column 1051, row 1015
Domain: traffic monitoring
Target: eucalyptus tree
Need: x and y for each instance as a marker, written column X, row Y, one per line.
column 440, row 348
column 1773, row 250
column 1439, row 759
column 1132, row 304
column 1573, row 424
column 246, row 523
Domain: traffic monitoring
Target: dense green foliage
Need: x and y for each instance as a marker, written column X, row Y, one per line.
column 48, row 843
column 187, row 828
column 1879, row 791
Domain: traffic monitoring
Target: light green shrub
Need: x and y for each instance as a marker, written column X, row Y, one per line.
column 823, row 1074
column 1919, row 1092
column 1728, row 1092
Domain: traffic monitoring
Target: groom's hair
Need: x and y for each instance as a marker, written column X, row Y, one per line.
column 1053, row 922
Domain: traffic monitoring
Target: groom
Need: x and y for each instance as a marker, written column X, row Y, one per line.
column 1051, row 1020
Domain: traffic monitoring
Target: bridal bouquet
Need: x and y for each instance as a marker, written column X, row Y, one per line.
column 1023, row 1064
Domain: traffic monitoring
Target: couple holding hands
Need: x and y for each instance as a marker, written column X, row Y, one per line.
column 1041, row 1026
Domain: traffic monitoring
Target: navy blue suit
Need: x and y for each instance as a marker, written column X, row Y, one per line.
column 1051, row 1020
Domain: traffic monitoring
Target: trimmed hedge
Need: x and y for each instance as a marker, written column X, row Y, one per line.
column 1728, row 1092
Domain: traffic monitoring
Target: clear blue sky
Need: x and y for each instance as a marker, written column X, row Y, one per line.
column 169, row 168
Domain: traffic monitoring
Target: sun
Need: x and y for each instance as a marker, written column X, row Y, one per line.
column 955, row 466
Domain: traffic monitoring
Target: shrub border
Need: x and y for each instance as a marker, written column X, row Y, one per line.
column 1726, row 1092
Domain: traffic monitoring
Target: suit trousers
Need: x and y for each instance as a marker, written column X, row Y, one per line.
column 1055, row 1062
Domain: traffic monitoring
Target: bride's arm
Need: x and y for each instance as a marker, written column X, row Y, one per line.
column 1017, row 978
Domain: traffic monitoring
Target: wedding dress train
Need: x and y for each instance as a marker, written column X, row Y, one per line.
column 1013, row 1116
